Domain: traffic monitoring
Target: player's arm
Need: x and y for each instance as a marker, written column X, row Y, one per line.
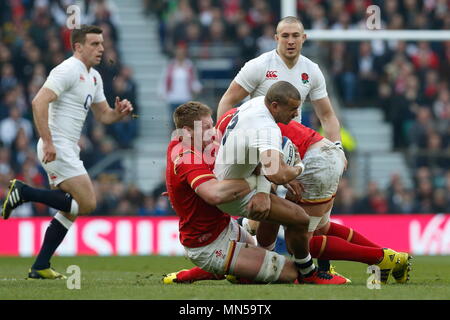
column 328, row 119
column 276, row 170
column 216, row 192
column 107, row 115
column 234, row 94
column 40, row 106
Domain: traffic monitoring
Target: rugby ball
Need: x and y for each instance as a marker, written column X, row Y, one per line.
column 288, row 149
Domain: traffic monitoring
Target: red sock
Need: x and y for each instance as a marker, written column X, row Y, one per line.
column 196, row 274
column 350, row 235
column 334, row 248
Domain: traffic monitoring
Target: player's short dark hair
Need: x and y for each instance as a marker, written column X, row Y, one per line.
column 186, row 113
column 289, row 19
column 282, row 92
column 79, row 35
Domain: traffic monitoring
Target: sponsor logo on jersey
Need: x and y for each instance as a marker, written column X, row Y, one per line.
column 271, row 74
column 81, row 77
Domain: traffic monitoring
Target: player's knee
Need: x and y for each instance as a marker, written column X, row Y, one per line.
column 271, row 267
column 87, row 207
column 301, row 219
column 289, row 272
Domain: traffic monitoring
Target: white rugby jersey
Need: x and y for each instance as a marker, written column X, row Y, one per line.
column 76, row 89
column 251, row 131
column 258, row 74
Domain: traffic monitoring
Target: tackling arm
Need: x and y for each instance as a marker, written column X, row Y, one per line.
column 216, row 192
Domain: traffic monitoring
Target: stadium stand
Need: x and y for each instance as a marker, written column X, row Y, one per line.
column 406, row 82
column 34, row 39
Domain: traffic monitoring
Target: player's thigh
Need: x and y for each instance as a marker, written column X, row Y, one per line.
column 319, row 216
column 317, row 210
column 82, row 190
column 267, row 233
column 286, row 213
column 323, row 169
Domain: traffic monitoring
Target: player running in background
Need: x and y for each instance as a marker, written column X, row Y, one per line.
column 212, row 240
column 60, row 109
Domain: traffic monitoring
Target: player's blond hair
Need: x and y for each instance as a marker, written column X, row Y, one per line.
column 186, row 113
column 290, row 19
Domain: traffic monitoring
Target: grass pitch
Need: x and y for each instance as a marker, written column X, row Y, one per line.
column 136, row 278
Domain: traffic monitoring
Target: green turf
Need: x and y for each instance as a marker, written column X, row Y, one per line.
column 140, row 278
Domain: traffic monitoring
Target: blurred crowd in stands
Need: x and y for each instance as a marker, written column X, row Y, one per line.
column 409, row 81
column 34, row 39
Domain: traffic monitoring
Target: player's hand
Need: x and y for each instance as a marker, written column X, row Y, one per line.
column 344, row 158
column 295, row 188
column 49, row 152
column 259, row 206
column 123, row 108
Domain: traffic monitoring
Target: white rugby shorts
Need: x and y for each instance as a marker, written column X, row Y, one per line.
column 323, row 170
column 237, row 207
column 219, row 256
column 67, row 163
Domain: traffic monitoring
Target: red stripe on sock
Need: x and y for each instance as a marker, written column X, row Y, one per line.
column 343, row 232
column 196, row 274
column 339, row 249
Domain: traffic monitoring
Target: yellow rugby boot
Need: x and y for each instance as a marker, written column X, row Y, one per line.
column 402, row 269
column 48, row 273
column 390, row 260
column 171, row 278
column 335, row 273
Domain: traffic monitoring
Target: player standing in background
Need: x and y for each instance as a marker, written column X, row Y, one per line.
column 286, row 63
column 60, row 109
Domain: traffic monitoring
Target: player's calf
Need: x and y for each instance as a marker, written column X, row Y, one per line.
column 19, row 192
column 87, row 206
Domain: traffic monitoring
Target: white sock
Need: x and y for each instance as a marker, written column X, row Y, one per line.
column 305, row 265
column 63, row 220
column 74, row 208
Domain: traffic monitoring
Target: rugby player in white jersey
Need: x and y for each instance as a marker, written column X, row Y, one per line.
column 60, row 109
column 286, row 63
column 253, row 137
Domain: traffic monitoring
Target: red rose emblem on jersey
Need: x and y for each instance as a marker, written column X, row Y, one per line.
column 305, row 78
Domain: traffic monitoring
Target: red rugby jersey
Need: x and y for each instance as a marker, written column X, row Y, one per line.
column 299, row 134
column 200, row 223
